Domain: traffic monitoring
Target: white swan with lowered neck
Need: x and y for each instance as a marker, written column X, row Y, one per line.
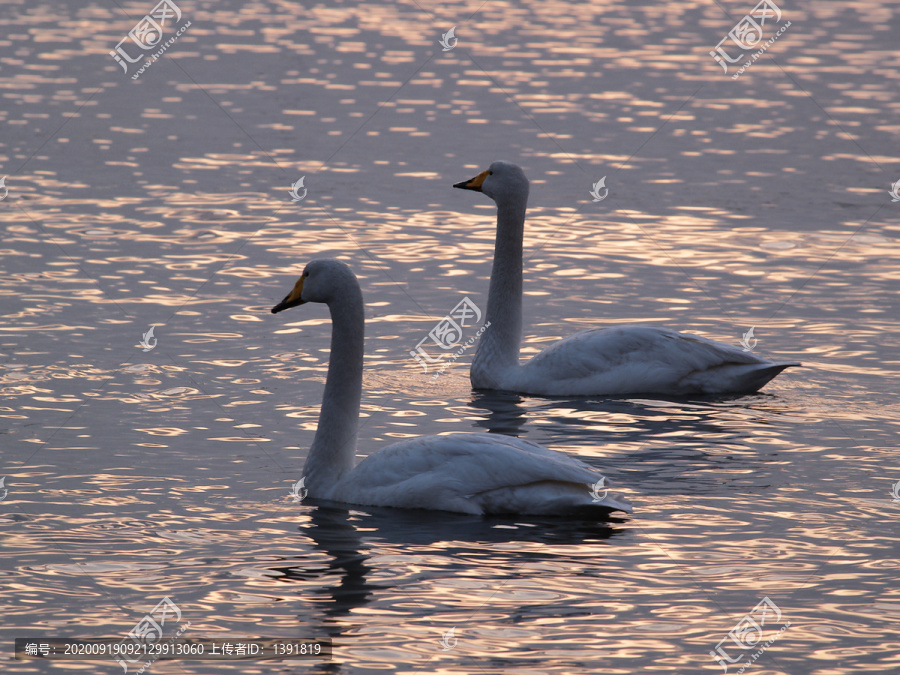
column 464, row 472
column 601, row 361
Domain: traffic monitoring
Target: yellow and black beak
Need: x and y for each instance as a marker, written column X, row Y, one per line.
column 292, row 299
column 474, row 183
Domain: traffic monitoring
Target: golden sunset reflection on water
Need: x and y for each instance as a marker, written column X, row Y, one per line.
column 134, row 473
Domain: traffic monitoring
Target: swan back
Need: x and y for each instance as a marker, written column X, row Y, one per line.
column 477, row 473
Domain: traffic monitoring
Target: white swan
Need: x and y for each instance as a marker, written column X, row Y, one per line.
column 467, row 473
column 602, row 361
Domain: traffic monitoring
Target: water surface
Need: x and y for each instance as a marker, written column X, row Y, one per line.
column 164, row 201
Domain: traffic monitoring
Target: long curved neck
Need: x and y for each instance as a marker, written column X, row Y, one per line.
column 333, row 450
column 498, row 347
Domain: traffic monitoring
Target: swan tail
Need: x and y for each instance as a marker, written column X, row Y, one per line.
column 550, row 498
column 736, row 378
column 756, row 378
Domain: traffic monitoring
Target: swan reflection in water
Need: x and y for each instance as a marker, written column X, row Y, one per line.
column 375, row 555
column 625, row 419
column 348, row 537
column 656, row 444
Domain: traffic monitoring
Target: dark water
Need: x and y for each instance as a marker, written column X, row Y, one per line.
column 164, row 201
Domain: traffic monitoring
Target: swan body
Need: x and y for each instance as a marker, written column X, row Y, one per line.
column 631, row 360
column 472, row 473
column 619, row 360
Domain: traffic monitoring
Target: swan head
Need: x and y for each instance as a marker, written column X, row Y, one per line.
column 322, row 281
column 501, row 181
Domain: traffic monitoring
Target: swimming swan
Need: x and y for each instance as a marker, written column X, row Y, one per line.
column 463, row 472
column 600, row 361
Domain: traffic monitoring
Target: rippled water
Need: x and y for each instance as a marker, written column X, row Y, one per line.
column 164, row 201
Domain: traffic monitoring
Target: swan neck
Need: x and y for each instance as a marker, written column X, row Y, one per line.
column 333, row 450
column 499, row 346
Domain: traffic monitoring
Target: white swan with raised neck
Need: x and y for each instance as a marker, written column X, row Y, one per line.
column 463, row 472
column 632, row 359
